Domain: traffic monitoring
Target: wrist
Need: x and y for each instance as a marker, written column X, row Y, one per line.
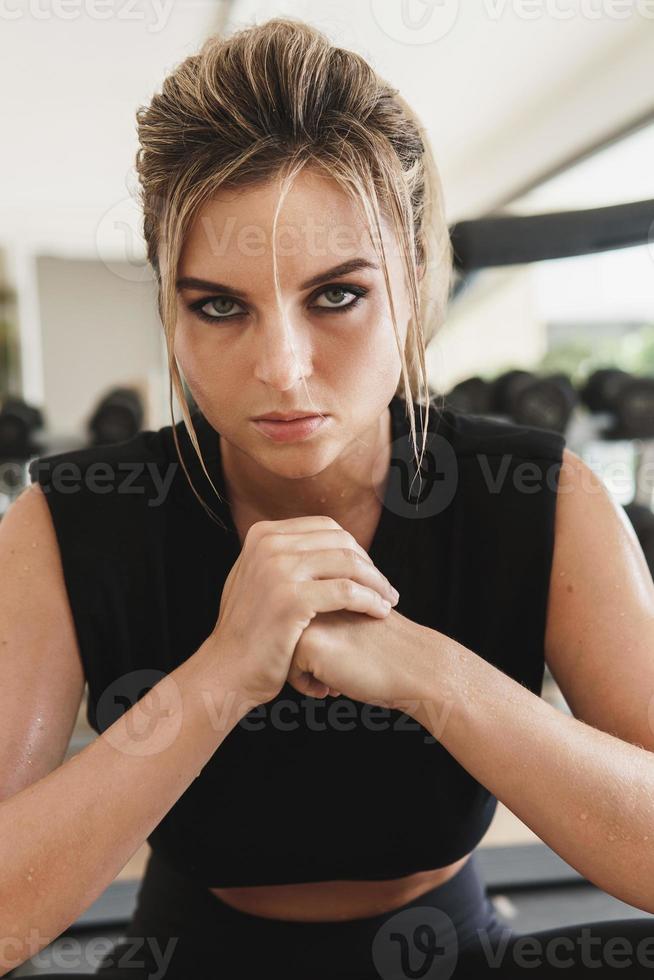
column 430, row 686
column 219, row 682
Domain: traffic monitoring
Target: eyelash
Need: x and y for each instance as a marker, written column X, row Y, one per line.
column 357, row 291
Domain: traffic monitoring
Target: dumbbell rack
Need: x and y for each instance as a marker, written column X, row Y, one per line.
column 496, row 240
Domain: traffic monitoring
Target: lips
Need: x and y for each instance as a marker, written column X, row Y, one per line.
column 290, row 430
column 285, row 416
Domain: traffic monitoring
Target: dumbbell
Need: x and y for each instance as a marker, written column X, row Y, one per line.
column 118, row 417
column 545, row 401
column 479, row 397
column 18, row 422
column 472, row 396
column 505, row 387
column 601, row 389
column 628, row 398
column 642, row 519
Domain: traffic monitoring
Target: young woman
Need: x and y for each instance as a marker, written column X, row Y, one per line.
column 312, row 759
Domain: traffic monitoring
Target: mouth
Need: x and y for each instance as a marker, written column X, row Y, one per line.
column 285, row 416
column 290, row 430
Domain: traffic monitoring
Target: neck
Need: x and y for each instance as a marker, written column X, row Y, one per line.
column 345, row 490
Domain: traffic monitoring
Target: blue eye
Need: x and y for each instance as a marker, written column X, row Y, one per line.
column 357, row 291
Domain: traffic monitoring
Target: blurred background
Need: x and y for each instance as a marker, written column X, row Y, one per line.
column 534, row 111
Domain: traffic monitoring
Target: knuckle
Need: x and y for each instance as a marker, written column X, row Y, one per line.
column 357, row 557
column 257, row 531
column 266, row 544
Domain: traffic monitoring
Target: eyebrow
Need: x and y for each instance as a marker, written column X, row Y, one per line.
column 343, row 269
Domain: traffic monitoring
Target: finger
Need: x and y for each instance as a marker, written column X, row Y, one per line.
column 305, row 682
column 319, row 539
column 330, row 595
column 344, row 563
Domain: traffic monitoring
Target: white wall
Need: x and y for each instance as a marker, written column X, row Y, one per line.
column 489, row 329
column 98, row 330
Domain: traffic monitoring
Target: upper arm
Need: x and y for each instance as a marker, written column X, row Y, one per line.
column 599, row 641
column 42, row 675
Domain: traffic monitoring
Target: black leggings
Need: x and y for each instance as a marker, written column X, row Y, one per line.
column 180, row 931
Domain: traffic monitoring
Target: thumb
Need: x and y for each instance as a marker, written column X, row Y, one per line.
column 306, row 683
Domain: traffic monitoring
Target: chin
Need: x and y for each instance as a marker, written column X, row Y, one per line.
column 295, row 461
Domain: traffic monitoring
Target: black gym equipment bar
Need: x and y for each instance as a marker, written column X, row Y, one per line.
column 509, row 239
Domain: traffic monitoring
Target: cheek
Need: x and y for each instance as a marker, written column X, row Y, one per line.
column 365, row 359
column 181, row 342
column 191, row 363
column 379, row 346
column 194, row 350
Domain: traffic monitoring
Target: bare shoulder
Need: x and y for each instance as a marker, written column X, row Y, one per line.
column 27, row 532
column 43, row 678
column 600, row 620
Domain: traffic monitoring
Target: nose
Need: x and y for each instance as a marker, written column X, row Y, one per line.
column 282, row 356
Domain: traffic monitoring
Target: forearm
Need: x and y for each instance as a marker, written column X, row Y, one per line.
column 64, row 838
column 588, row 794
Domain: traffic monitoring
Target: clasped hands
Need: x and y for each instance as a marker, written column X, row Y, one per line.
column 378, row 661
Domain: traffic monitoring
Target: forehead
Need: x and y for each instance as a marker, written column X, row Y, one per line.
column 317, row 219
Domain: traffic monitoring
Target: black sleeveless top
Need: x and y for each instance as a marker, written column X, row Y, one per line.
column 306, row 789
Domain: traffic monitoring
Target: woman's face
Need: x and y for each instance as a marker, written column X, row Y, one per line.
column 242, row 356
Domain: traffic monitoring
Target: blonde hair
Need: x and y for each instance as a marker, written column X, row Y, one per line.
column 264, row 103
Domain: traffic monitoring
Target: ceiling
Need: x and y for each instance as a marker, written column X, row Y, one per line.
column 508, row 91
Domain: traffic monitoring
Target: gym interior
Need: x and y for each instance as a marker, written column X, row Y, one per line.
column 545, row 140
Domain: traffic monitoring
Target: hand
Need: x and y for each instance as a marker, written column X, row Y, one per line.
column 373, row 660
column 287, row 572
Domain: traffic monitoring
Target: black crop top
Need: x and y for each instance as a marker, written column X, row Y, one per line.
column 306, row 789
